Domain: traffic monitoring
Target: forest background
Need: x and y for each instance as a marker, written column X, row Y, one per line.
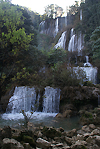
column 28, row 57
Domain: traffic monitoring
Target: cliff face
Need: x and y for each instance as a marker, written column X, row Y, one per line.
column 75, row 98
column 52, row 26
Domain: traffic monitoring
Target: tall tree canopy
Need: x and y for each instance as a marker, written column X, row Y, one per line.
column 53, row 10
column 15, row 37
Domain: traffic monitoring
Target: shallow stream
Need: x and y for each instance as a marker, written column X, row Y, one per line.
column 39, row 118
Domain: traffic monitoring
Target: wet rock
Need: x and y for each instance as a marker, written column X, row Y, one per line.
column 67, row 113
column 26, row 146
column 43, row 143
column 11, row 144
column 59, row 115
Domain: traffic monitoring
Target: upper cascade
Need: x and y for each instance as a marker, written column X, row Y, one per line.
column 62, row 41
column 76, row 42
column 52, row 26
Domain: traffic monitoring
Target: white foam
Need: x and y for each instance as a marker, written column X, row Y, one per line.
column 36, row 115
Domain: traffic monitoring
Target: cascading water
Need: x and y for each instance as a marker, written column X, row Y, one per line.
column 56, row 27
column 51, row 100
column 76, row 42
column 61, row 42
column 87, row 62
column 26, row 98
column 91, row 72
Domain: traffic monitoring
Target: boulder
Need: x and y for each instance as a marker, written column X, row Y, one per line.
column 95, row 132
column 71, row 133
column 59, row 115
column 92, row 126
column 79, row 145
column 11, row 144
column 43, row 143
column 80, row 137
column 97, row 140
column 68, row 140
column 67, row 113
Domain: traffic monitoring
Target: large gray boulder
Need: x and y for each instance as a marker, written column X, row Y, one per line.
column 11, row 144
column 43, row 143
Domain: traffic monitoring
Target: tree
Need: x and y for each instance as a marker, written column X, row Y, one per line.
column 53, row 11
column 95, row 39
column 13, row 41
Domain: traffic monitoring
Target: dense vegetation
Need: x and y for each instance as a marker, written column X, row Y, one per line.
column 23, row 60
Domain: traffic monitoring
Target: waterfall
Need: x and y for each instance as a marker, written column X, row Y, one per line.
column 62, row 41
column 81, row 15
column 87, row 62
column 26, row 98
column 56, row 27
column 71, row 46
column 91, row 72
column 76, row 42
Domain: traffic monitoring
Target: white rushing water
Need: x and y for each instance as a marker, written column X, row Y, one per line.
column 51, row 100
column 56, row 27
column 61, row 42
column 76, row 42
column 25, row 98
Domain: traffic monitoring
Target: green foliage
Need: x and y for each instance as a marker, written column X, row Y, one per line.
column 55, row 56
column 53, row 11
column 95, row 38
column 27, row 117
column 88, row 83
column 15, row 41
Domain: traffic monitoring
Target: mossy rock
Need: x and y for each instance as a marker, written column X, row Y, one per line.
column 30, row 140
column 51, row 132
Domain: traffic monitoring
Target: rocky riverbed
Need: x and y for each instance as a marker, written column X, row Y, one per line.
column 88, row 137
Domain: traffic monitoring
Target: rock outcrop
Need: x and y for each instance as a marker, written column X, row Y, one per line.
column 88, row 137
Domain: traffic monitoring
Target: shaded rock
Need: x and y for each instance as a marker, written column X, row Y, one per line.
column 97, row 138
column 7, row 132
column 26, row 146
column 80, row 137
column 60, row 129
column 59, row 145
column 91, row 139
column 11, row 144
column 51, row 132
column 71, row 133
column 86, row 135
column 92, row 126
column 68, row 140
column 86, row 128
column 95, row 146
column 43, row 143
column 59, row 115
column 95, row 132
column 79, row 145
column 67, row 113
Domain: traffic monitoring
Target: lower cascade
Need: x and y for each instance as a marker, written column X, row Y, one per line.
column 27, row 99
